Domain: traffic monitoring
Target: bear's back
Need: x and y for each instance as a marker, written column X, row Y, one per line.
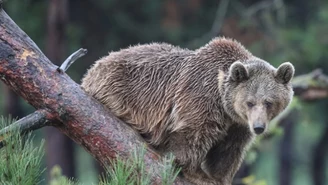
column 138, row 83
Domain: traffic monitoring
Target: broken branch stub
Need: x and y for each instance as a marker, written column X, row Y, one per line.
column 72, row 58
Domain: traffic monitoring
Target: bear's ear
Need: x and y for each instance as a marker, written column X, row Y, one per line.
column 285, row 73
column 238, row 72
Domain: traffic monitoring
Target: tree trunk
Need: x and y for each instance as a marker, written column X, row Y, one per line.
column 286, row 152
column 59, row 148
column 319, row 160
column 25, row 69
column 244, row 171
column 12, row 104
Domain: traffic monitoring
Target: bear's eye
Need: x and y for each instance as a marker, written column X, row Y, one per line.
column 268, row 104
column 250, row 104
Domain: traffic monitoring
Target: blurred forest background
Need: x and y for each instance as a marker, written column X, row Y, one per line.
column 275, row 30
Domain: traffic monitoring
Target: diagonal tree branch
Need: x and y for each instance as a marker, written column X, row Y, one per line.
column 34, row 121
column 61, row 102
column 25, row 69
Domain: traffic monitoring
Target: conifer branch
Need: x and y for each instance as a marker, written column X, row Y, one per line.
column 34, row 121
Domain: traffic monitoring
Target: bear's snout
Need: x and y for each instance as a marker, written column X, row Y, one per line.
column 259, row 128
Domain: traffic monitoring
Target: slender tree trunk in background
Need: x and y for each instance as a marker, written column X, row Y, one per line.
column 12, row 105
column 172, row 15
column 59, row 148
column 319, row 159
column 244, row 171
column 286, row 152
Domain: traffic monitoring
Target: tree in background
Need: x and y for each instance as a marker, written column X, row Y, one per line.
column 276, row 30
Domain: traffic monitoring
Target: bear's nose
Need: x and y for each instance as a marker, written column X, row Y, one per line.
column 258, row 128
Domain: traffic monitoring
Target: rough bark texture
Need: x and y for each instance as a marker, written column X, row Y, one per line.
column 25, row 69
column 59, row 148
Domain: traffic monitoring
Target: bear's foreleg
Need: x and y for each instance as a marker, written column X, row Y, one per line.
column 224, row 159
column 190, row 149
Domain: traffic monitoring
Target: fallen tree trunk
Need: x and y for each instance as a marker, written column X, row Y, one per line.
column 63, row 104
column 25, row 69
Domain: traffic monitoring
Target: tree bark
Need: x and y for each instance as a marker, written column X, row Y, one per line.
column 59, row 148
column 25, row 69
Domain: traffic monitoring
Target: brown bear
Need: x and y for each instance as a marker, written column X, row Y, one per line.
column 204, row 106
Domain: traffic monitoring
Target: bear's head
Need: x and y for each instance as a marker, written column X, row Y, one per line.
column 255, row 92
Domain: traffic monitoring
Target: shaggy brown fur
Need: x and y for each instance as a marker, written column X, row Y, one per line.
column 204, row 106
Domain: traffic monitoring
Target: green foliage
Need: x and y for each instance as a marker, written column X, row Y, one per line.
column 20, row 161
column 127, row 172
column 110, row 25
column 138, row 160
column 169, row 172
column 133, row 172
column 251, row 180
column 58, row 179
column 120, row 173
column 304, row 46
